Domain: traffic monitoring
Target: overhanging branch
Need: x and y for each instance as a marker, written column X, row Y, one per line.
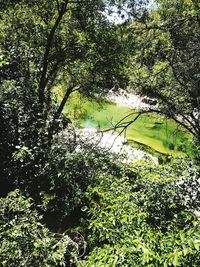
column 122, row 124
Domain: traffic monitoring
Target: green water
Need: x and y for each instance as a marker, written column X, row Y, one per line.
column 153, row 131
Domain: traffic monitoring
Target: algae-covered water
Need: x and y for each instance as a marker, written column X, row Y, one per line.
column 151, row 130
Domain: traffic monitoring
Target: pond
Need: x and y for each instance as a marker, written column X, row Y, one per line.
column 152, row 132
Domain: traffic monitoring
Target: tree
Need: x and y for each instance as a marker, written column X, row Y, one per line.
column 165, row 61
column 44, row 44
column 47, row 42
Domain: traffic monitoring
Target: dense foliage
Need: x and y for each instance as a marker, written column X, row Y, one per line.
column 51, row 180
column 144, row 218
column 43, row 44
column 25, row 241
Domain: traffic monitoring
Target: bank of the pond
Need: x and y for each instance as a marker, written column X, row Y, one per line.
column 116, row 144
column 160, row 134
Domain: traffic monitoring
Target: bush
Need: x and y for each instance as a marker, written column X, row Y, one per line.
column 146, row 221
column 54, row 174
column 25, row 241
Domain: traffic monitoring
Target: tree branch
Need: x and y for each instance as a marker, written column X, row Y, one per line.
column 58, row 6
column 59, row 111
column 45, row 64
column 125, row 124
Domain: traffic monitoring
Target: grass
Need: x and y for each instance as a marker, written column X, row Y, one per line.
column 158, row 133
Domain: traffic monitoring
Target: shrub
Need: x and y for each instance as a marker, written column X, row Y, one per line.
column 145, row 221
column 25, row 241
